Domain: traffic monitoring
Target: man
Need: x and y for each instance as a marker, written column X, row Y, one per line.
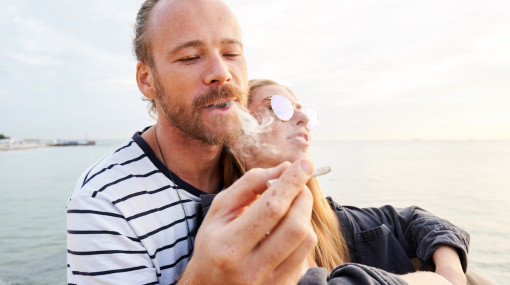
column 132, row 215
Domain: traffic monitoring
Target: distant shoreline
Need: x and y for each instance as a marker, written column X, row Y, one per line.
column 20, row 147
column 31, row 144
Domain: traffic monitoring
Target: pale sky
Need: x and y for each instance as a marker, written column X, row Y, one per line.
column 373, row 70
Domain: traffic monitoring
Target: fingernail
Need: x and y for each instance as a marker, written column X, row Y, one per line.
column 306, row 166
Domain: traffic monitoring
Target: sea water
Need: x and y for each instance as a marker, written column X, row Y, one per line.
column 35, row 185
column 466, row 182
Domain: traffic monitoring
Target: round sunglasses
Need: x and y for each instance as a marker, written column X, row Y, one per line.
column 283, row 109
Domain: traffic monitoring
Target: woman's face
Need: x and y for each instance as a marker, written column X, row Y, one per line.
column 281, row 140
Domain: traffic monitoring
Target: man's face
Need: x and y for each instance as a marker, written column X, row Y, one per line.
column 199, row 68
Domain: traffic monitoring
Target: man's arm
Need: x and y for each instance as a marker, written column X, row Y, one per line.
column 102, row 248
column 232, row 246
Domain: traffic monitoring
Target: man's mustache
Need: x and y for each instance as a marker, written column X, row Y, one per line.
column 219, row 92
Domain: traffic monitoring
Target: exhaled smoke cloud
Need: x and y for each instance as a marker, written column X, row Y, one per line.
column 251, row 139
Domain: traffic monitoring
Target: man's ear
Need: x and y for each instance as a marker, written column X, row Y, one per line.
column 145, row 80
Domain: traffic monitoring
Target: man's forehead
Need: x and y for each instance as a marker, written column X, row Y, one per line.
column 188, row 20
column 186, row 11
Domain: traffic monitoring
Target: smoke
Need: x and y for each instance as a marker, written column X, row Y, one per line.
column 255, row 144
column 251, row 140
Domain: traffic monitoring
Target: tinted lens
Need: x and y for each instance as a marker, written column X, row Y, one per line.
column 282, row 107
column 314, row 119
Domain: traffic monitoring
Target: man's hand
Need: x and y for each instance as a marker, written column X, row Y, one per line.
column 232, row 247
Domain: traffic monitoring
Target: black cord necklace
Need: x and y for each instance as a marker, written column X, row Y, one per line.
column 190, row 243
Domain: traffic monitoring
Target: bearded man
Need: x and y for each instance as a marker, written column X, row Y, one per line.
column 133, row 215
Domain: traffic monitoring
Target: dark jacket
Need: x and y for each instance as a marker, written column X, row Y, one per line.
column 388, row 237
column 350, row 274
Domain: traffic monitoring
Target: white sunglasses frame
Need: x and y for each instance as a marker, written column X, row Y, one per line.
column 281, row 101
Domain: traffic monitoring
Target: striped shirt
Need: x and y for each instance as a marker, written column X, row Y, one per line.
column 129, row 220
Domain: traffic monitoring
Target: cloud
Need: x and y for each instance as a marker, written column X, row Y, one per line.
column 371, row 69
column 63, row 67
column 385, row 58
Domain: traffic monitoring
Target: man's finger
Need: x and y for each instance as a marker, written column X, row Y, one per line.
column 272, row 205
column 292, row 233
column 290, row 270
column 245, row 190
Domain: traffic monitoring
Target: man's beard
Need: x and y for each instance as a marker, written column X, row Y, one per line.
column 224, row 129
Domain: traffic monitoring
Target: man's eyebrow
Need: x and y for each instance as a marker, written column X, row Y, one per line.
column 231, row 41
column 195, row 43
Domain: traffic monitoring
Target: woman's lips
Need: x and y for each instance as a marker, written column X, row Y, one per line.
column 300, row 137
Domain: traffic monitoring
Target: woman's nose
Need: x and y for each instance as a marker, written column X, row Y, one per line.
column 300, row 117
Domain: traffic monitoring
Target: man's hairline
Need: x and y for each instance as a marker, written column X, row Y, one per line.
column 150, row 30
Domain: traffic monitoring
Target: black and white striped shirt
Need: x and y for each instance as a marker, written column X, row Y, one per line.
column 128, row 222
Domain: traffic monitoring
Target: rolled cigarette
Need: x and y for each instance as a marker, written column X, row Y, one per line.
column 318, row 172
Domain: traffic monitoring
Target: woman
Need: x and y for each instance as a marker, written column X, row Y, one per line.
column 280, row 143
column 367, row 243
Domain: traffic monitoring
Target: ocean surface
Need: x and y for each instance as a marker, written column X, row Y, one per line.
column 466, row 182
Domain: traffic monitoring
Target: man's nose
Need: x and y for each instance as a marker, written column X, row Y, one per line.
column 217, row 71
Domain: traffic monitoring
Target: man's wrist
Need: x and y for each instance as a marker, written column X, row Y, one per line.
column 189, row 277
